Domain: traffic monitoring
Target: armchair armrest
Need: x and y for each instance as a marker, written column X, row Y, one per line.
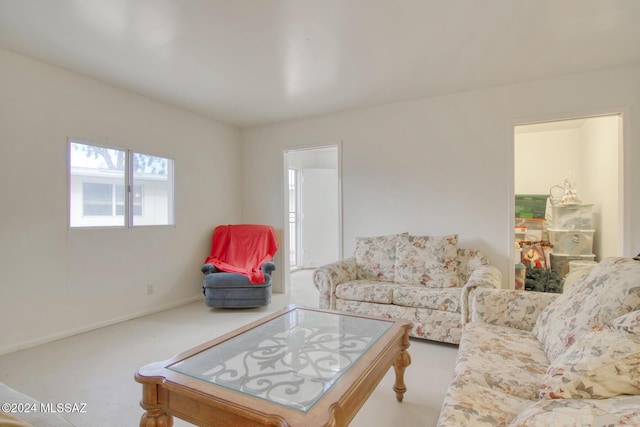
column 504, row 307
column 327, row 277
column 268, row 267
column 208, row 268
column 483, row 276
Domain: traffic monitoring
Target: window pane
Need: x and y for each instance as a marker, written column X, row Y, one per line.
column 94, row 173
column 97, row 199
column 120, row 199
column 137, row 200
column 152, row 190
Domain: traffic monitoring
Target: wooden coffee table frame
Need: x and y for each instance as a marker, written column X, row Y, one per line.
column 167, row 393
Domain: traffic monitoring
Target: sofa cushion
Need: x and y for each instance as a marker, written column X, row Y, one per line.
column 387, row 311
column 467, row 261
column 502, row 358
column 427, row 260
column 603, row 363
column 445, row 299
column 620, row 411
column 437, row 325
column 629, row 323
column 367, row 291
column 428, row 324
column 611, row 289
column 473, row 405
column 376, row 257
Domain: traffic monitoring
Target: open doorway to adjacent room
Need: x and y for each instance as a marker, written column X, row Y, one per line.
column 312, row 209
column 586, row 153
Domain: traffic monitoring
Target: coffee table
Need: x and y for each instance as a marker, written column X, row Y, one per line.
column 297, row 367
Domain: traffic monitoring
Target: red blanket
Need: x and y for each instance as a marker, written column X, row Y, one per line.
column 242, row 249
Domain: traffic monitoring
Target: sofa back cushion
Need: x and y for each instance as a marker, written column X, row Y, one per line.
column 376, row 257
column 427, row 260
column 611, row 289
column 603, row 363
column 467, row 261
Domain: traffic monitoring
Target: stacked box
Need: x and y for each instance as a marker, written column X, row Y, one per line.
column 571, row 242
column 560, row 262
column 570, row 217
column 534, row 228
column 530, row 205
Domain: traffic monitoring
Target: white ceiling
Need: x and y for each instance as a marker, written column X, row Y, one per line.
column 248, row 62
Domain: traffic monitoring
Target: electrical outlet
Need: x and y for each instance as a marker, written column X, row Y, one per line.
column 149, row 289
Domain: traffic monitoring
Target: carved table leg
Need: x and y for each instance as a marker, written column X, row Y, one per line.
column 403, row 360
column 156, row 418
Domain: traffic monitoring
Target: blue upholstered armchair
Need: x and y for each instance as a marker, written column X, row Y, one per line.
column 233, row 290
column 237, row 273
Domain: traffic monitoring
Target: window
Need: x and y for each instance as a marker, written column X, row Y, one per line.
column 98, row 181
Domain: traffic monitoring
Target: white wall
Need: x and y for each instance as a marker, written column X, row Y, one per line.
column 544, row 159
column 439, row 165
column 55, row 281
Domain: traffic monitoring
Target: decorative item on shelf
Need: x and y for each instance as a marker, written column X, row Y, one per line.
column 533, row 256
column 564, row 194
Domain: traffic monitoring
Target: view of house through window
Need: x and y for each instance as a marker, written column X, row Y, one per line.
column 99, row 178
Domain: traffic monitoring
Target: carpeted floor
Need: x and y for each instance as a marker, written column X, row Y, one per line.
column 97, row 367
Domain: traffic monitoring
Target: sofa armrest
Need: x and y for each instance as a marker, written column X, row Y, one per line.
column 483, row 276
column 327, row 277
column 504, row 307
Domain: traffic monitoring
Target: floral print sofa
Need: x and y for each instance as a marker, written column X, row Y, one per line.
column 424, row 279
column 535, row 359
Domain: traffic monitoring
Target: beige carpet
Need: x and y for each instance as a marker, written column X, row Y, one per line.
column 97, row 367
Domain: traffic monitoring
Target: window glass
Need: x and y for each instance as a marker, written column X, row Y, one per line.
column 152, row 190
column 97, row 199
column 98, row 184
column 94, row 174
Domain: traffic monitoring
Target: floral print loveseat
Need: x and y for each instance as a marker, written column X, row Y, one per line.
column 538, row 359
column 424, row 279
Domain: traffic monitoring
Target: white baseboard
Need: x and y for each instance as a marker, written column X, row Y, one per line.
column 59, row 335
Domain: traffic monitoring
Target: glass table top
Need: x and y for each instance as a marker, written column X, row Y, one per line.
column 292, row 360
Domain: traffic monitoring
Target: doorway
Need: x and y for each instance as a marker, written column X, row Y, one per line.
column 312, row 209
column 588, row 152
